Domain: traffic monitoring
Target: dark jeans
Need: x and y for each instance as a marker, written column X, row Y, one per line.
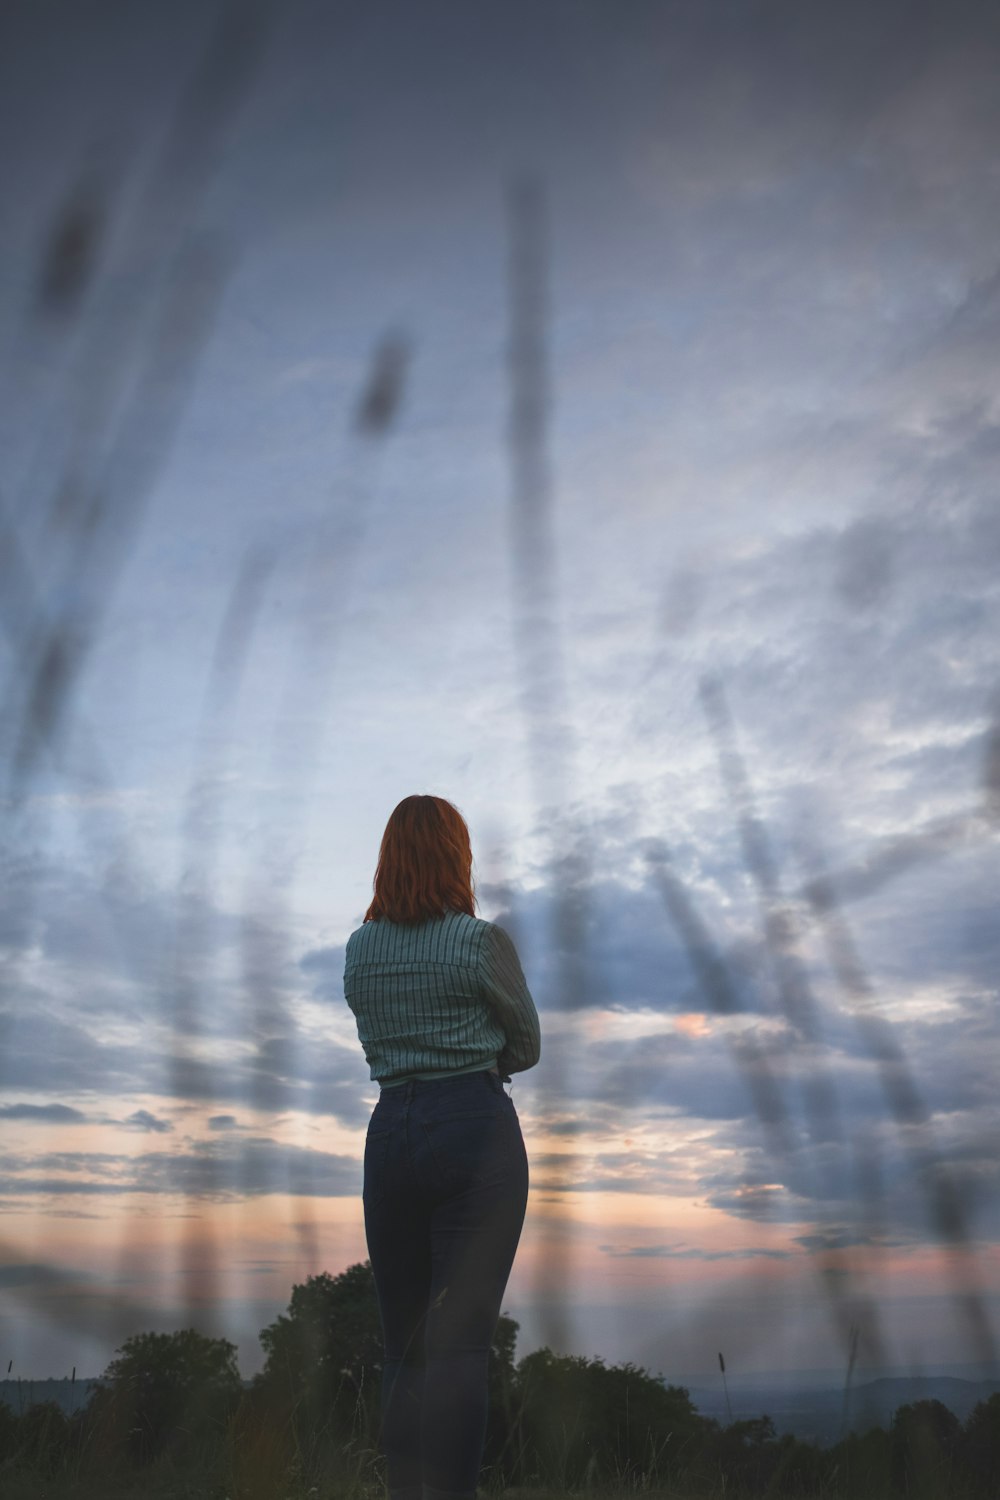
column 446, row 1184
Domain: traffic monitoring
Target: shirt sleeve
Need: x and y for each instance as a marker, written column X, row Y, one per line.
column 507, row 992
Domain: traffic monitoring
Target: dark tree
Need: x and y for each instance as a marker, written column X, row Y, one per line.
column 164, row 1389
column 42, row 1437
column 982, row 1445
column 864, row 1461
column 9, row 1431
column 324, row 1360
column 501, row 1423
column 324, row 1356
column 581, row 1422
column 925, row 1438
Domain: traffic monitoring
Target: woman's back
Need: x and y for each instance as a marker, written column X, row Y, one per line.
column 439, row 997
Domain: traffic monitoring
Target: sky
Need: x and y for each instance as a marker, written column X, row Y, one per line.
column 586, row 413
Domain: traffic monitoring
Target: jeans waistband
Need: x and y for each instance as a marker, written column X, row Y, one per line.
column 412, row 1087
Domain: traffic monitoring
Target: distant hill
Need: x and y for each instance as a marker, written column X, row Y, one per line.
column 819, row 1415
column 69, row 1394
column 887, row 1394
column 813, row 1414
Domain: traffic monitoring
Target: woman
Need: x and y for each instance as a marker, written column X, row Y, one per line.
column 444, row 1016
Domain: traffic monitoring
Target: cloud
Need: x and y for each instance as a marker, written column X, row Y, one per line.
column 634, row 957
column 142, row 1120
column 43, row 1114
column 651, row 1060
column 24, row 1274
column 48, row 1048
column 325, row 968
column 213, row 1169
column 843, row 1239
column 691, row 1252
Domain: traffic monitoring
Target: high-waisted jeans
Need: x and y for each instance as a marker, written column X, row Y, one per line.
column 446, row 1185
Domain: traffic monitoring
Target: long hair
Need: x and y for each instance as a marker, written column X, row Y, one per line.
column 424, row 863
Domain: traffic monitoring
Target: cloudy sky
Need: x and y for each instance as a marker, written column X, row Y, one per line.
column 587, row 413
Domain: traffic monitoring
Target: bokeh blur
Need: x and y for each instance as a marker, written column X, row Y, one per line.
column 586, row 413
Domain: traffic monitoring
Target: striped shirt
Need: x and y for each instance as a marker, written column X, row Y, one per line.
column 439, row 997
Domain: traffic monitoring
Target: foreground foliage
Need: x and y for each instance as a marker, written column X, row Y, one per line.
column 170, row 1417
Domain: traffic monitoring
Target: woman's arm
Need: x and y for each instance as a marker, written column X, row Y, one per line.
column 507, row 991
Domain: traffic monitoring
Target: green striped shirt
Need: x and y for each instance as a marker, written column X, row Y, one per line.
column 439, row 997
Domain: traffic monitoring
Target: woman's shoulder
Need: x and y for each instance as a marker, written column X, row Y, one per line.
column 362, row 939
column 462, row 921
column 476, row 931
column 487, row 942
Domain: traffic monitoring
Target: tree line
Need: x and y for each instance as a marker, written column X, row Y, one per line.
column 311, row 1418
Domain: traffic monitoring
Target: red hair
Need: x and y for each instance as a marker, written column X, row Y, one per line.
column 424, row 863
